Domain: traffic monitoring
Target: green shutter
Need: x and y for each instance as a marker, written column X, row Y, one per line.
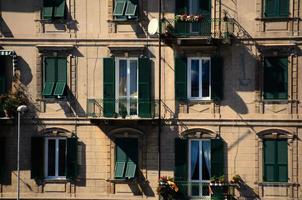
column 2, row 157
column 48, row 88
column 181, row 165
column 181, row 7
column 59, row 9
column 37, row 158
column 131, row 9
column 119, row 8
column 50, row 69
column 269, row 160
column 144, row 87
column 282, row 160
column 120, row 157
column 59, row 89
column 217, row 157
column 72, row 158
column 2, row 85
column 284, row 8
column 109, row 87
column 61, row 69
column 119, row 169
column 130, row 170
column 271, row 8
column 217, row 78
column 181, row 79
column 47, row 9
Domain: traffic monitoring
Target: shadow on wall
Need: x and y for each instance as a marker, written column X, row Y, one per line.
column 81, row 181
column 5, row 30
column 25, row 71
column 18, row 6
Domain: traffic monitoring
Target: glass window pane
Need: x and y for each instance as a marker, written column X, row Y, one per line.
column 206, row 160
column 194, row 7
column 205, row 189
column 195, row 189
column 62, row 157
column 123, row 106
column 195, row 78
column 122, row 78
column 205, row 78
column 133, row 106
column 51, row 158
column 133, row 78
column 195, row 160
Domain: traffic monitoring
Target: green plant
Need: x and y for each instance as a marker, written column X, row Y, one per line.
column 221, row 179
column 236, row 178
column 10, row 102
column 213, row 179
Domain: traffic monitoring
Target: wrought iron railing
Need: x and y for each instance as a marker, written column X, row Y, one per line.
column 122, row 108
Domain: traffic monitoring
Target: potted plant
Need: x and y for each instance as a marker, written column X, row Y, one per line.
column 10, row 102
column 167, row 189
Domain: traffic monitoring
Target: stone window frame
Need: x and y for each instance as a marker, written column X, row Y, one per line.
column 292, row 151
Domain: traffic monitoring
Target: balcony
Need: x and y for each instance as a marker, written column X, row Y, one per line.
column 198, row 28
column 122, row 109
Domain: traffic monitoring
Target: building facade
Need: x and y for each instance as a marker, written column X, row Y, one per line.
column 110, row 109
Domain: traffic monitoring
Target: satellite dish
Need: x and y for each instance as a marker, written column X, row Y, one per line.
column 153, row 27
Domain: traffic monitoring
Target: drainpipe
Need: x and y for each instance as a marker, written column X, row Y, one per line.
column 159, row 86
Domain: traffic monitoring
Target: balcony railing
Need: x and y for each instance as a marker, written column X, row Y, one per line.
column 201, row 28
column 122, row 108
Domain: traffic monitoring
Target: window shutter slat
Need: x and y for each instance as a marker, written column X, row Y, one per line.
column 119, row 8
column 271, row 8
column 282, row 160
column 50, row 69
column 59, row 9
column 284, row 8
column 48, row 88
column 62, row 69
column 269, row 160
column 131, row 9
column 217, row 78
column 181, row 79
column 37, row 158
column 217, row 157
column 109, row 87
column 181, row 165
column 144, row 87
column 59, row 89
column 72, row 158
column 2, row 157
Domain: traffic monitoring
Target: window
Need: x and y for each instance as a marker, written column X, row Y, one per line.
column 199, row 71
column 54, row 76
column 126, row 158
column 276, row 8
column 55, row 158
column 275, row 157
column 127, row 86
column 275, row 78
column 54, row 9
column 125, row 9
column 8, row 62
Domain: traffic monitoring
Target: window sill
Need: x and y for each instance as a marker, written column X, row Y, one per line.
column 123, row 180
column 124, row 21
column 195, row 101
column 55, row 180
column 272, row 19
column 278, row 101
column 52, row 99
column 278, row 184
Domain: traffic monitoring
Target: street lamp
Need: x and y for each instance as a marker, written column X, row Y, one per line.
column 21, row 109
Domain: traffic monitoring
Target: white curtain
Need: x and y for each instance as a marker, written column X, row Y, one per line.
column 206, row 148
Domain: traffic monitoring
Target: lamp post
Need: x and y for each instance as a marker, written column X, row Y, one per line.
column 20, row 111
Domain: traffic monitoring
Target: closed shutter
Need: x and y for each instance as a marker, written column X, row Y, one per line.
column 61, row 81
column 2, row 85
column 217, row 78
column 132, row 154
column 217, row 157
column 37, row 158
column 144, row 88
column 271, row 8
column 109, row 87
column 181, row 79
column 2, row 157
column 269, row 160
column 72, row 158
column 59, row 9
column 49, row 76
column 284, row 8
column 47, row 11
column 181, row 165
column 282, row 160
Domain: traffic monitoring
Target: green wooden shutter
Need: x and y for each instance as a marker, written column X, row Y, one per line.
column 282, row 160
column 181, row 79
column 2, row 157
column 109, row 87
column 37, row 158
column 120, row 157
column 217, row 157
column 181, row 165
column 47, row 12
column 72, row 158
column 49, row 75
column 284, row 8
column 59, row 9
column 61, row 76
column 131, row 148
column 217, row 78
column 269, row 160
column 119, row 7
column 283, row 78
column 271, row 8
column 2, row 85
column 131, row 8
column 144, row 87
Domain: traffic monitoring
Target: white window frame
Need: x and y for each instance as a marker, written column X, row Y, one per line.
column 57, row 139
column 200, row 78
column 117, row 62
column 200, row 169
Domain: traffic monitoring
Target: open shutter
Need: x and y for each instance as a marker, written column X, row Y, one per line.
column 109, row 87
column 2, row 84
column 181, row 165
column 284, row 8
column 217, row 157
column 282, row 160
column 119, row 7
column 47, row 11
column 37, row 158
column 144, row 88
column 283, row 78
column 217, row 78
column 49, row 76
column 2, row 157
column 61, row 76
column 132, row 154
column 181, row 79
column 269, row 160
column 131, row 8
column 59, row 9
column 120, row 158
column 72, row 158
column 271, row 8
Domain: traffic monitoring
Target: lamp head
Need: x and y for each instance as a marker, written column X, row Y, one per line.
column 22, row 108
